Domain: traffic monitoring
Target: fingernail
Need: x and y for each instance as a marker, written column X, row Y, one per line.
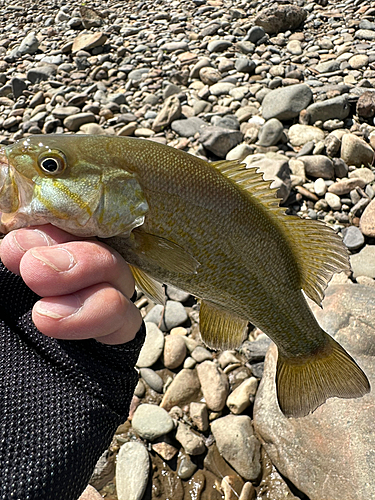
column 30, row 238
column 58, row 258
column 66, row 306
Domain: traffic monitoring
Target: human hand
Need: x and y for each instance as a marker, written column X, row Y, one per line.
column 85, row 285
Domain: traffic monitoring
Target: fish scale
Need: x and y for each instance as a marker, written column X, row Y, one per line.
column 214, row 230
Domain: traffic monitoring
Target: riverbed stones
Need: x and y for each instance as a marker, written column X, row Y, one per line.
column 301, row 134
column 214, row 384
column 337, row 107
column 280, row 18
column 153, row 346
column 287, row 102
column 236, row 442
column 184, row 389
column 151, row 421
column 363, row 263
column 174, row 351
column 132, row 471
column 318, row 166
column 355, row 151
column 367, row 222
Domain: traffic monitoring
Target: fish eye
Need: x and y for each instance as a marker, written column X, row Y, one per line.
column 52, row 163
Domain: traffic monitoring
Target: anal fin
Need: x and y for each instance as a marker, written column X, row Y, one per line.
column 303, row 385
column 219, row 328
column 151, row 288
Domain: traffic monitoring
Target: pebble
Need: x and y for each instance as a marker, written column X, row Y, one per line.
column 214, row 384
column 152, row 379
column 318, row 166
column 363, row 263
column 353, row 238
column 236, row 442
column 199, row 416
column 184, row 389
column 367, row 222
column 242, row 396
column 132, row 471
column 174, row 315
column 355, row 151
column 192, row 443
column 300, row 135
column 174, row 351
column 151, row 421
column 287, row 102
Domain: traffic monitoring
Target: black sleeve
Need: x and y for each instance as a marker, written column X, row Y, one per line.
column 60, row 401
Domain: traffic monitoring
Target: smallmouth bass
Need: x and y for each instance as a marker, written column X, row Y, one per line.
column 214, row 230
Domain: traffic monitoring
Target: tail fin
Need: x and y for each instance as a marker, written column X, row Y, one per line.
column 302, row 386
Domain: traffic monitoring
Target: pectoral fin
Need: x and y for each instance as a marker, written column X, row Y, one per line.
column 151, row 288
column 164, row 253
column 219, row 328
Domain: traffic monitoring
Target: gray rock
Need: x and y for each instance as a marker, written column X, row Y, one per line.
column 73, row 122
column 353, row 238
column 287, row 102
column 271, row 133
column 256, row 351
column 333, row 201
column 41, row 73
column 192, row 443
column 328, row 66
column 200, row 354
column 245, row 65
column 363, row 173
column 214, row 384
column 245, row 47
column 340, row 167
column 188, row 127
column 209, row 75
column 132, row 471
column 151, row 421
column 235, row 439
column 29, row 45
column 318, row 166
column 363, row 263
column 331, row 464
column 355, row 151
column 219, row 45
column 18, row 86
column 332, row 144
column 337, row 107
column 255, row 33
column 221, row 88
column 275, row 168
column 177, row 294
column 229, row 121
column 365, row 35
column 186, row 468
column 174, row 315
column 240, row 152
column 138, row 74
column 152, row 379
column 279, row 18
column 63, row 112
column 219, row 140
column 173, row 46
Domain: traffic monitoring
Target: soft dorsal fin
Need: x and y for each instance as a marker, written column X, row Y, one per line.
column 151, row 288
column 319, row 251
column 219, row 328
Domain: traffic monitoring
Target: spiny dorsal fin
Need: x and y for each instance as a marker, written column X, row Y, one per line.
column 151, row 288
column 319, row 251
column 219, row 328
column 163, row 252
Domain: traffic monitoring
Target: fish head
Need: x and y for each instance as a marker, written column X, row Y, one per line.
column 53, row 180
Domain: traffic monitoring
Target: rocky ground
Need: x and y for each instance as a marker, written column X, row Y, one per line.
column 285, row 86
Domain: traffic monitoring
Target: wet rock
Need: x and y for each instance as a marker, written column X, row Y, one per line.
column 132, row 471
column 367, row 222
column 236, row 442
column 355, row 151
column 337, row 107
column 214, row 384
column 219, row 140
column 186, row 467
column 272, row 485
column 184, row 389
column 280, row 18
column 318, row 166
column 151, row 421
column 286, row 103
column 174, row 351
column 170, row 111
column 331, row 464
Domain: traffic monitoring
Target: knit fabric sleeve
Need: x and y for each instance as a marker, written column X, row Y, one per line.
column 60, row 401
